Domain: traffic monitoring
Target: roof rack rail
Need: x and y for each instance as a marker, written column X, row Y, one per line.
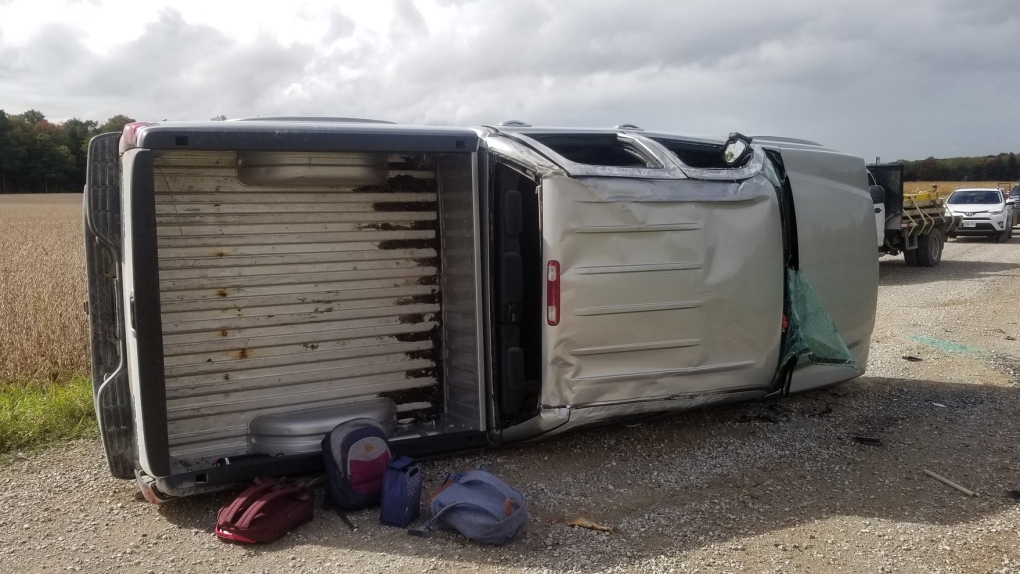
column 311, row 119
column 515, row 124
column 631, row 127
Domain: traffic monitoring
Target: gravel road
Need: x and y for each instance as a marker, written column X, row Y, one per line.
column 774, row 486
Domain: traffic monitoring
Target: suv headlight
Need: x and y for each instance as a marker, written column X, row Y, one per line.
column 996, row 212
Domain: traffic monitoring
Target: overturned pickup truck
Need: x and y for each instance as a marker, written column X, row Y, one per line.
column 254, row 283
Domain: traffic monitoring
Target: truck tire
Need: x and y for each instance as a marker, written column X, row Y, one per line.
column 929, row 248
column 910, row 257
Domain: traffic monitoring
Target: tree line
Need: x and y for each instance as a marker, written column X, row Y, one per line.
column 1002, row 167
column 37, row 155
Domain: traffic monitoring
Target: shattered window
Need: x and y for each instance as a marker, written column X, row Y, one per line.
column 597, row 149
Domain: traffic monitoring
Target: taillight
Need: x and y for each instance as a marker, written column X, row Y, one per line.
column 129, row 137
column 552, row 293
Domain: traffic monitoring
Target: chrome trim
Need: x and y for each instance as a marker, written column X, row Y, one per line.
column 670, row 166
column 753, row 167
column 480, row 310
column 667, row 167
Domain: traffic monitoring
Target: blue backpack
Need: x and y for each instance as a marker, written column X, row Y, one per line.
column 355, row 454
column 479, row 506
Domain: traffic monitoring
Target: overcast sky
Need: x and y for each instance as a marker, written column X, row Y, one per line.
column 900, row 79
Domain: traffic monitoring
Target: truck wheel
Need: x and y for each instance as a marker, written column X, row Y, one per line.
column 929, row 248
column 910, row 257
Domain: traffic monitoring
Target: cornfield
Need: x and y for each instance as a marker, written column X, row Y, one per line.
column 944, row 188
column 43, row 326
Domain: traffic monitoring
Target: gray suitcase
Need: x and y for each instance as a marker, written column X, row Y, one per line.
column 299, row 432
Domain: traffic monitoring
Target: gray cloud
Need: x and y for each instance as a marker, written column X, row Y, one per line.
column 173, row 70
column 408, row 20
column 901, row 81
column 340, row 26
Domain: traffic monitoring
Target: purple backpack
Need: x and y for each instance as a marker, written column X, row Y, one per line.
column 355, row 453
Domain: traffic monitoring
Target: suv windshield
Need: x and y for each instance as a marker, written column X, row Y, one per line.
column 974, row 196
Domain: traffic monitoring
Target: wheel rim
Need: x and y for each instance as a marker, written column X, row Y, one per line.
column 935, row 247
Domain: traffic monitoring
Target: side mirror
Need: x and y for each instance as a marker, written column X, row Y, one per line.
column 737, row 149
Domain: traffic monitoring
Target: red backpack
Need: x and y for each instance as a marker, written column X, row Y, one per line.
column 264, row 512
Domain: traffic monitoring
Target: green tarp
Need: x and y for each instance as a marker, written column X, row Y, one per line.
column 810, row 330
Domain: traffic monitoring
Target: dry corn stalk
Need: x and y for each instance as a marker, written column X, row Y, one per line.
column 43, row 326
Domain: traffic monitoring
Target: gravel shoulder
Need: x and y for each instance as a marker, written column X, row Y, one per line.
column 772, row 486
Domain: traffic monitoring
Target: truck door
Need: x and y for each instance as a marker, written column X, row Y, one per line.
column 656, row 285
column 658, row 298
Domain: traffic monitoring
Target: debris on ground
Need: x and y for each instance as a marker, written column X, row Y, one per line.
column 585, row 523
column 948, row 482
column 824, row 411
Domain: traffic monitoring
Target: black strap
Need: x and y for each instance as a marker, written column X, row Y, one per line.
column 327, row 504
column 343, row 517
column 782, row 379
column 788, row 375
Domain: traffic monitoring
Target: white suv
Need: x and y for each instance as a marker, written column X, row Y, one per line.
column 984, row 213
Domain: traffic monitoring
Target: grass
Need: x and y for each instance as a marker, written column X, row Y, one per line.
column 45, row 395
column 33, row 414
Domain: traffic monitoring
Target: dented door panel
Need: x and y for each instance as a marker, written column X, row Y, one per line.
column 660, row 298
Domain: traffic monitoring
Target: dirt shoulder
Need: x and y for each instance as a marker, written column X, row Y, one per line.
column 775, row 486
